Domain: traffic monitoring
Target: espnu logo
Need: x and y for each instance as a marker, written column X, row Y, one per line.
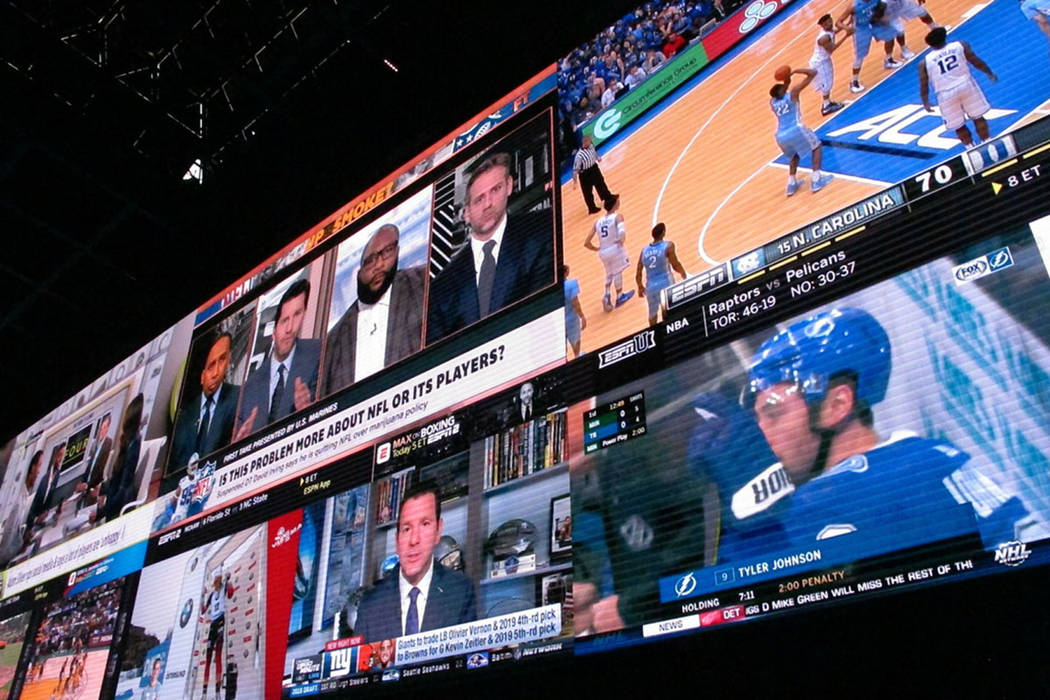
column 980, row 267
column 646, row 340
column 1012, row 553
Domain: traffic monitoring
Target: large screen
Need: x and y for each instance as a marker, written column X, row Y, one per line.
column 735, row 313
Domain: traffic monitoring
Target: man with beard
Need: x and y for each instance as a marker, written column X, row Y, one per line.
column 385, row 323
column 508, row 255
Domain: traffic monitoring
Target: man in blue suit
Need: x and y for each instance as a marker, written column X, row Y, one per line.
column 420, row 595
column 506, row 258
column 286, row 381
column 205, row 422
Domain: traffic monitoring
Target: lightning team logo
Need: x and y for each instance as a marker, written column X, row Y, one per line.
column 685, row 585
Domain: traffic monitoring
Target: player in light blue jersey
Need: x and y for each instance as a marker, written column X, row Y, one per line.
column 575, row 321
column 795, row 138
column 812, row 387
column 1039, row 12
column 870, row 21
column 660, row 262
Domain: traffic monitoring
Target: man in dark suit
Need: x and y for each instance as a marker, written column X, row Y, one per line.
column 286, row 381
column 385, row 322
column 505, row 259
column 421, row 595
column 205, row 422
column 44, row 498
column 96, row 468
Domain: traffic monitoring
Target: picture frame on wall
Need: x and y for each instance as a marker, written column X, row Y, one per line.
column 560, row 527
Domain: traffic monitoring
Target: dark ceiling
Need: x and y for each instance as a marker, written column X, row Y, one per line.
column 291, row 109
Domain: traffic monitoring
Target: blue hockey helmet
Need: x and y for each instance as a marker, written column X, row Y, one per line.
column 811, row 352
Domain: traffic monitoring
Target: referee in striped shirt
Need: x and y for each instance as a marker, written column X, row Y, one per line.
column 585, row 167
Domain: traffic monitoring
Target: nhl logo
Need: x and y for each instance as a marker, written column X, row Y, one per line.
column 1013, row 553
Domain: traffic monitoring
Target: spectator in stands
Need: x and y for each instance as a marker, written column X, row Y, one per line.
column 635, row 76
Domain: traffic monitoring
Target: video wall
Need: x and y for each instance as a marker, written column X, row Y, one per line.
column 582, row 375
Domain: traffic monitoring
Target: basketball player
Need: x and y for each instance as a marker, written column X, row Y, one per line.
column 821, row 62
column 947, row 67
column 658, row 259
column 869, row 21
column 793, row 137
column 1039, row 12
column 897, row 11
column 612, row 233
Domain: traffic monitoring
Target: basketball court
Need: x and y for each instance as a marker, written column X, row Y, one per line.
column 706, row 164
column 46, row 687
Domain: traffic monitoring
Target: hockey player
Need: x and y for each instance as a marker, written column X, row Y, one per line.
column 812, row 387
column 726, row 447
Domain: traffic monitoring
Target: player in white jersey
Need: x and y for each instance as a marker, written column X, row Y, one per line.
column 897, row 11
column 612, row 233
column 947, row 68
column 824, row 46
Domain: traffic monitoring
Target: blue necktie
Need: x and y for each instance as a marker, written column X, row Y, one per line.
column 278, row 394
column 412, row 618
column 486, row 278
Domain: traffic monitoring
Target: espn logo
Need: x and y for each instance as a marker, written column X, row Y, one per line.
column 691, row 288
column 983, row 266
column 646, row 340
column 383, row 453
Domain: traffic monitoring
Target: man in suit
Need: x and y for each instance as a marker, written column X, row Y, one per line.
column 421, row 595
column 96, row 469
column 44, row 499
column 506, row 257
column 385, row 322
column 287, row 380
column 205, row 422
column 522, row 403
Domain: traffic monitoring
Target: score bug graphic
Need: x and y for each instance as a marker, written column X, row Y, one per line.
column 615, row 422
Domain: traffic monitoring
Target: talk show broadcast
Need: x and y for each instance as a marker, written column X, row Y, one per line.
column 72, row 475
column 443, row 293
column 456, row 556
column 599, row 368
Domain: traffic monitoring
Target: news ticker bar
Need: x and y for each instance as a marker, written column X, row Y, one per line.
column 823, row 586
column 986, row 159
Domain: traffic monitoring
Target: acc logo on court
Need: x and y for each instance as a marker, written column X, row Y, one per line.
column 755, row 13
column 607, row 124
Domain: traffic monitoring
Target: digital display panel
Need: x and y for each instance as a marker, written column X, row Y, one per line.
column 708, row 394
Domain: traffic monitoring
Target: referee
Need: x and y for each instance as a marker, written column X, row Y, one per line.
column 585, row 167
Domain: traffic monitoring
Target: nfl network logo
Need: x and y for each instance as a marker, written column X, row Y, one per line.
column 383, row 453
column 1012, row 553
column 646, row 340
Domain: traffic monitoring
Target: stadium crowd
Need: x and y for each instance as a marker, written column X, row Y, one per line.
column 73, row 624
column 595, row 74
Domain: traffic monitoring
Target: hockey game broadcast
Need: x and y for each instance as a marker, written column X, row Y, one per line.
column 735, row 311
